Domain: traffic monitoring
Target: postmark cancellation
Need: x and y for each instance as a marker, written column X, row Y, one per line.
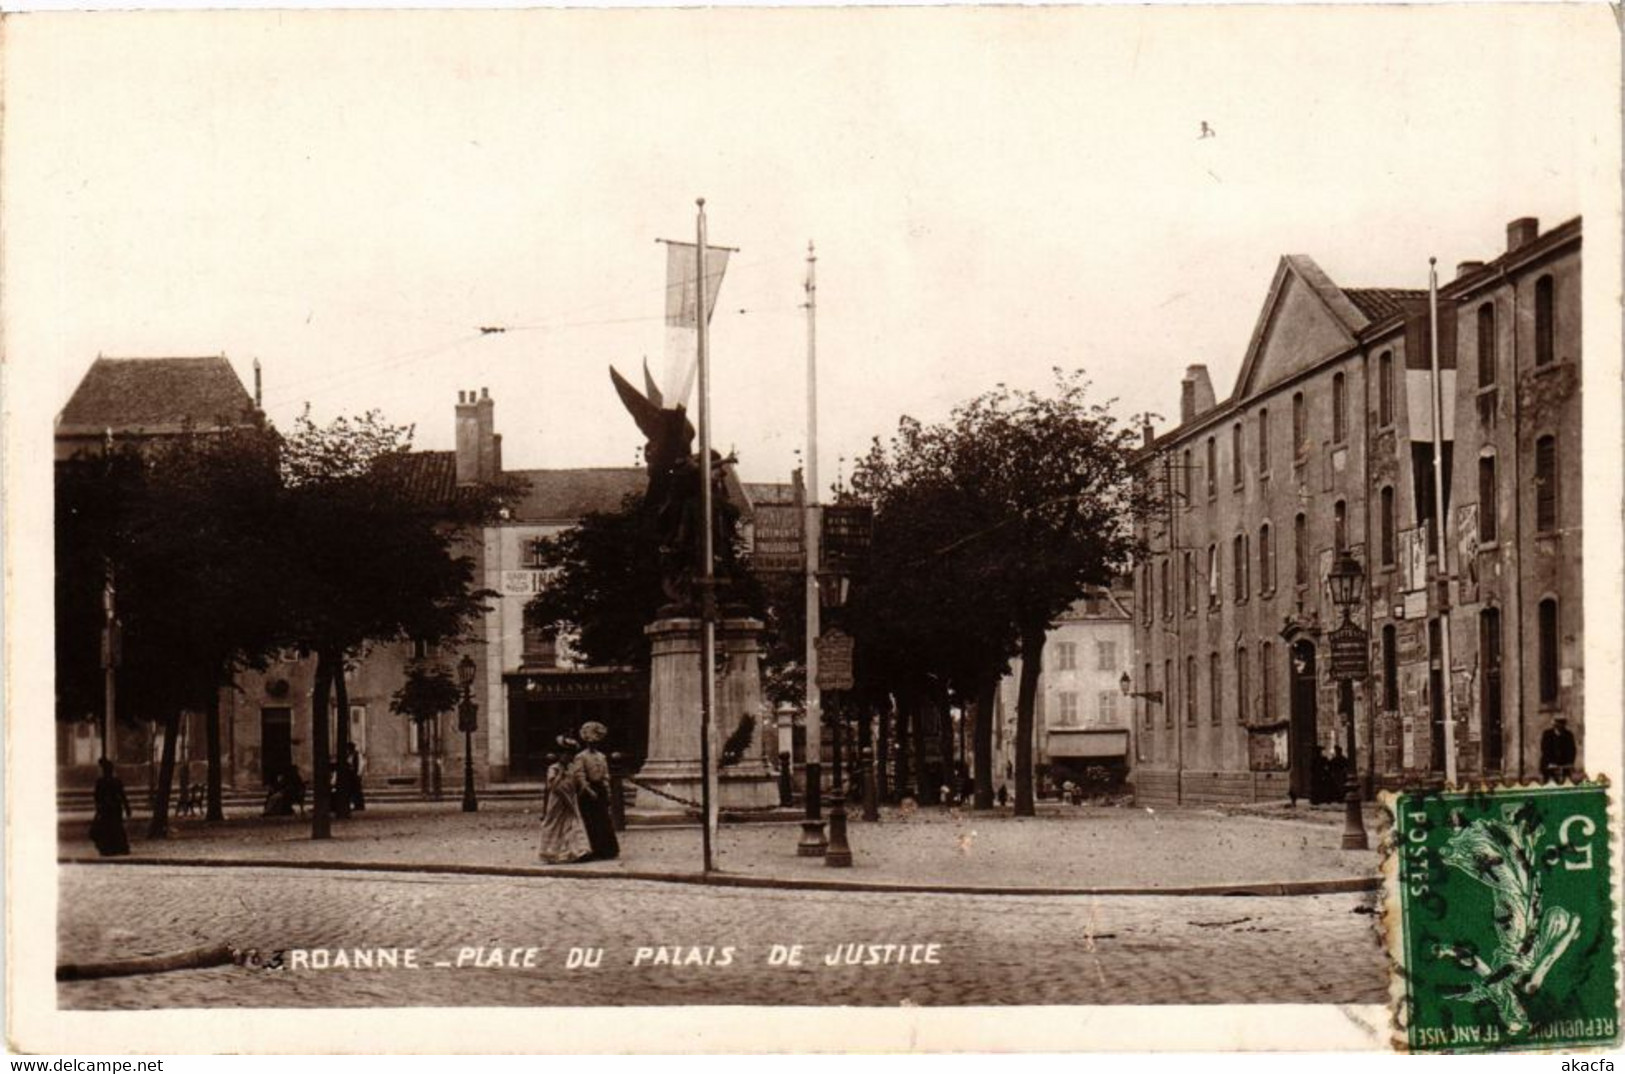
column 1500, row 920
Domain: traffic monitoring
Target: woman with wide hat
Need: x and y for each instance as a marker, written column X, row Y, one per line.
column 590, row 770
column 564, row 839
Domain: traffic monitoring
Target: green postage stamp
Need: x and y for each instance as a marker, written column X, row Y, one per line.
column 1500, row 919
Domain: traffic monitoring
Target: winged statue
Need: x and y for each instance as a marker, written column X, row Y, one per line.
column 672, row 496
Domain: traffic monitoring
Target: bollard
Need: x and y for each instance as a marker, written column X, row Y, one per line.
column 871, row 794
column 617, row 792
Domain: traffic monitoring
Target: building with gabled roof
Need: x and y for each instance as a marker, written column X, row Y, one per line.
column 1326, row 445
column 140, row 399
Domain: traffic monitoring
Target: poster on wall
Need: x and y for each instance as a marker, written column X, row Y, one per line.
column 1467, row 553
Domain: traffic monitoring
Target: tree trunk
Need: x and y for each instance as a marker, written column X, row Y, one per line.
column 1032, row 663
column 341, row 738
column 211, row 736
column 948, row 738
column 902, row 780
column 321, row 777
column 158, row 826
column 925, row 786
column 883, row 782
column 982, row 743
column 420, row 728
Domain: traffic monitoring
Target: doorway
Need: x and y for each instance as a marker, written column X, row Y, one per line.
column 1303, row 745
column 276, row 742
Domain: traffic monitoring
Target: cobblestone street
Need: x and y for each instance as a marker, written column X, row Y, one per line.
column 992, row 950
column 1067, row 848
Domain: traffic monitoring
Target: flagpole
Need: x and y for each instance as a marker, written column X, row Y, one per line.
column 1439, row 526
column 813, row 843
column 708, row 605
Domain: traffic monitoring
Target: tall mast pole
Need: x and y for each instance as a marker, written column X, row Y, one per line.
column 708, row 603
column 1443, row 596
column 813, row 843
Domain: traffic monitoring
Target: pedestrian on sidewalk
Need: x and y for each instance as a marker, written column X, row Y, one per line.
column 1557, row 751
column 353, row 766
column 112, row 806
column 590, row 769
column 564, row 838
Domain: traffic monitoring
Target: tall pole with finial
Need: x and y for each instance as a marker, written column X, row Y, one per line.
column 1442, row 595
column 813, row 844
column 708, row 601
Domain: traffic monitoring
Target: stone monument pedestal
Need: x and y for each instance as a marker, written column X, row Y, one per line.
column 673, row 764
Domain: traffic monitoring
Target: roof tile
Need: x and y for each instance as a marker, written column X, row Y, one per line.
column 156, row 395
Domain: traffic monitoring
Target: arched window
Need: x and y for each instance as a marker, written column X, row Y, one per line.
column 1390, row 669
column 1545, row 340
column 1148, row 687
column 1241, row 684
column 1266, row 675
column 1340, row 525
column 1546, row 484
column 1215, row 687
column 1185, row 474
column 1300, row 550
column 1385, row 388
column 1489, row 655
column 1189, row 559
column 1212, row 470
column 1190, row 689
column 1340, row 409
column 1264, row 441
column 1489, row 495
column 1238, row 567
column 1548, row 658
column 1486, row 345
column 1236, row 469
column 1167, row 593
column 1300, row 427
column 1386, row 525
column 1213, row 576
column 1266, row 560
column 1167, row 693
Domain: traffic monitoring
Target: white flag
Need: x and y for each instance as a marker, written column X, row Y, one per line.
column 682, row 305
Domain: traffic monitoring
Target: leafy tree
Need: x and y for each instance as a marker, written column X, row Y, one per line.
column 368, row 561
column 199, row 584
column 93, row 493
column 604, row 586
column 428, row 691
column 1008, row 512
column 182, row 529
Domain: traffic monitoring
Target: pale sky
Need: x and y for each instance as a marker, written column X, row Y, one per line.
column 347, row 197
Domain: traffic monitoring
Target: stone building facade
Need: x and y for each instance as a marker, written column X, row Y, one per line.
column 1080, row 716
column 1326, row 444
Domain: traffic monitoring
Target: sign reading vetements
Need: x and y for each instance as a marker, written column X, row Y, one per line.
column 835, row 660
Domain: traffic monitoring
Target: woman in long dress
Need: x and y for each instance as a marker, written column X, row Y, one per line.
column 564, row 839
column 592, row 778
column 112, row 806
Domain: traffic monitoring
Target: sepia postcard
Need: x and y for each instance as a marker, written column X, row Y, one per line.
column 813, row 529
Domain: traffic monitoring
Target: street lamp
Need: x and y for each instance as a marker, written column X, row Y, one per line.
column 1126, row 685
column 1350, row 661
column 467, row 716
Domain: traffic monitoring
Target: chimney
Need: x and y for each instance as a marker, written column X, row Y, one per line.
column 1195, row 393
column 485, row 411
column 468, row 439
column 257, row 403
column 1148, row 435
column 1467, row 268
column 1521, row 232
